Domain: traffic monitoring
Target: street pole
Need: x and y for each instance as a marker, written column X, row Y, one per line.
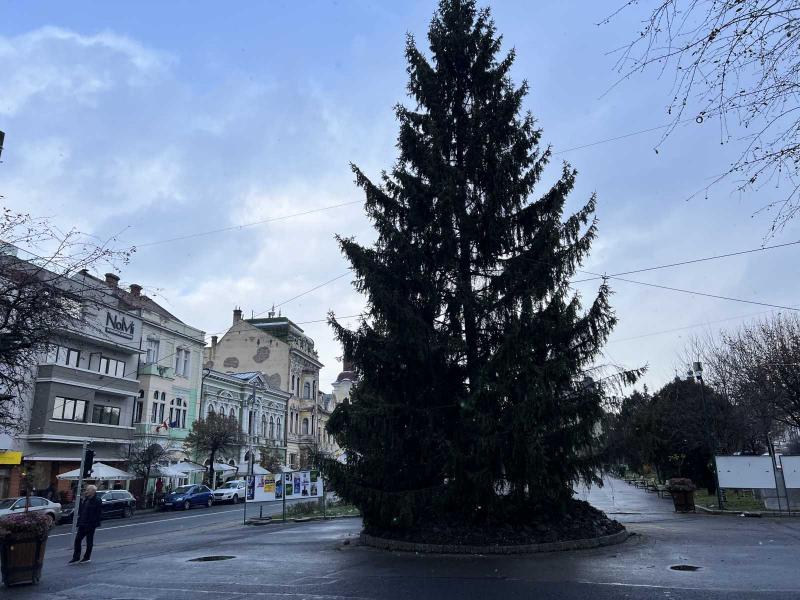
column 697, row 369
column 77, row 511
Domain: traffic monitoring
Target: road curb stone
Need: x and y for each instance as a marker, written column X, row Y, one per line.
column 584, row 544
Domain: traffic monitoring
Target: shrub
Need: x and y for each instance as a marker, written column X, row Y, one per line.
column 24, row 525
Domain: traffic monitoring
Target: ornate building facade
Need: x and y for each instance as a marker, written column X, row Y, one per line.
column 286, row 356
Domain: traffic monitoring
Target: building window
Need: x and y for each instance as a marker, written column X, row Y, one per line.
column 183, row 357
column 152, row 351
column 272, row 428
column 177, row 413
column 60, row 355
column 307, row 390
column 69, row 409
column 211, row 409
column 157, row 410
column 105, row 415
column 278, row 427
column 305, row 426
column 138, row 408
column 230, row 414
column 111, row 366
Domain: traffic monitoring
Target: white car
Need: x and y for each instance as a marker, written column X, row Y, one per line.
column 13, row 506
column 231, row 491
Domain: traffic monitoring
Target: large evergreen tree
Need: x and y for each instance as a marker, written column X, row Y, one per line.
column 472, row 400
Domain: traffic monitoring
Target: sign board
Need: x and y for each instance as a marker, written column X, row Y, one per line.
column 292, row 485
column 745, row 472
column 791, row 471
column 10, row 457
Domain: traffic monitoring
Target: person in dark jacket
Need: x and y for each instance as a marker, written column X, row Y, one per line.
column 89, row 518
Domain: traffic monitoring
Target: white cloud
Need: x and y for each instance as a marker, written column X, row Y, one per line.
column 56, row 64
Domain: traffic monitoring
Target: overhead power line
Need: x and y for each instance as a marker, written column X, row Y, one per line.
column 333, row 206
column 244, row 225
column 692, row 261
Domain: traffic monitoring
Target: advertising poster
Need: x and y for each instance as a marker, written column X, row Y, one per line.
column 268, row 488
column 251, row 488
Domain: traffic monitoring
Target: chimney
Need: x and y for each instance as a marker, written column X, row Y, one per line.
column 213, row 343
column 112, row 280
column 237, row 315
column 136, row 289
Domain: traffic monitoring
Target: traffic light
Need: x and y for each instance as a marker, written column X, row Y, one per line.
column 88, row 459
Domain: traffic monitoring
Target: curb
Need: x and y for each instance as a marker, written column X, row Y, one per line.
column 746, row 513
column 268, row 521
column 585, row 544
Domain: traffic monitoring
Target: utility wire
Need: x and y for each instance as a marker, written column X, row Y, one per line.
column 332, row 206
column 243, row 225
column 693, row 261
column 696, row 293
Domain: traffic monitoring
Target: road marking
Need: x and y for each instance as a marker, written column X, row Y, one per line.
column 151, row 522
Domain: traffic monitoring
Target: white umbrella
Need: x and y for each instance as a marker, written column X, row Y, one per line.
column 188, row 467
column 100, row 472
column 223, row 468
column 257, row 470
column 169, row 471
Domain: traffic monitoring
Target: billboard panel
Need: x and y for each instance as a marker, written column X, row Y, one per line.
column 791, row 471
column 745, row 472
column 296, row 484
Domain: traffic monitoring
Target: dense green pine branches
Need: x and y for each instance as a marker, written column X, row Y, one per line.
column 472, row 401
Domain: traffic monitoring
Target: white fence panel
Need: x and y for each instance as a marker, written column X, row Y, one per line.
column 745, row 472
column 791, row 471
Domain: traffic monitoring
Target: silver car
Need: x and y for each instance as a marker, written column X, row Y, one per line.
column 13, row 506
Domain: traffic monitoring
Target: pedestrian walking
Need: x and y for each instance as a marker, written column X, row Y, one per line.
column 89, row 518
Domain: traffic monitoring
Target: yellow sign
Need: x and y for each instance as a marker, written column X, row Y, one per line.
column 10, row 457
column 269, row 484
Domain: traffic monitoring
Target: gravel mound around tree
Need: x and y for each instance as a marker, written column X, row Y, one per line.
column 582, row 521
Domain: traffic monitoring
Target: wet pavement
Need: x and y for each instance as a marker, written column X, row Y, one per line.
column 736, row 558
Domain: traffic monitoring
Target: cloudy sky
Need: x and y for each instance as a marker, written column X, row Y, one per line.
column 157, row 121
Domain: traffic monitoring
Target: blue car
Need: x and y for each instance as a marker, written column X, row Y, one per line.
column 187, row 496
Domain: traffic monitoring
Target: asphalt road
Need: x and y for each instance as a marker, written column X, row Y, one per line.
column 153, row 559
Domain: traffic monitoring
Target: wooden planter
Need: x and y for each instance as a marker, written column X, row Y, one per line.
column 22, row 560
column 683, row 501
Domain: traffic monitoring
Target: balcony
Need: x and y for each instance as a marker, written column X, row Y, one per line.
column 157, row 370
column 85, row 378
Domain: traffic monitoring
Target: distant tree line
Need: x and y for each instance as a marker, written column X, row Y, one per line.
column 751, row 389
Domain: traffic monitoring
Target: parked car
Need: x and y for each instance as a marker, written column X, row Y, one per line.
column 13, row 506
column 187, row 496
column 231, row 491
column 116, row 503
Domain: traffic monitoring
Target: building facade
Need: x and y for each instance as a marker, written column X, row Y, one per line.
column 259, row 408
column 286, row 356
column 84, row 389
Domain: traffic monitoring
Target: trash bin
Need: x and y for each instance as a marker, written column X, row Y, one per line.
column 682, row 491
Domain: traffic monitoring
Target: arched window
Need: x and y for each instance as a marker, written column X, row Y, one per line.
column 280, row 431
column 157, row 410
column 178, row 408
column 305, row 426
column 307, row 390
column 272, row 428
column 264, row 425
column 211, row 409
column 230, row 413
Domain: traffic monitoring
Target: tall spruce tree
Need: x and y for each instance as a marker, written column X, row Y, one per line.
column 472, row 401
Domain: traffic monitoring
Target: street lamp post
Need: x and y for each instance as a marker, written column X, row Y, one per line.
column 697, row 371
